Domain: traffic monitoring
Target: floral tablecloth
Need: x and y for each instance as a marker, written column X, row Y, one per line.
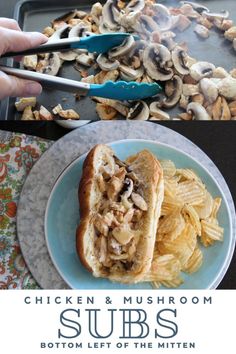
column 18, row 153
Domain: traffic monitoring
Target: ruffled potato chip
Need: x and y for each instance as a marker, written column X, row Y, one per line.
column 188, row 210
column 170, row 187
column 216, row 207
column 173, row 283
column 171, row 226
column 165, row 267
column 212, row 230
column 170, row 204
column 192, row 217
column 190, row 192
column 195, row 261
column 187, row 174
column 205, row 210
column 168, row 167
column 182, row 247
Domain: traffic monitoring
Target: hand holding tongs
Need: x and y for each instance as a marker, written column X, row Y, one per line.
column 101, row 43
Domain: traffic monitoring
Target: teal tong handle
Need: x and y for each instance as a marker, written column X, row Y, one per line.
column 119, row 90
column 99, row 43
column 122, row 90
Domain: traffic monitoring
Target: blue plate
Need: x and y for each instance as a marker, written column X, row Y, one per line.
column 62, row 218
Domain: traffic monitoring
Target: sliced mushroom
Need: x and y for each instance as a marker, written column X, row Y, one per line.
column 155, row 59
column 63, row 32
column 174, row 98
column 96, row 12
column 156, row 112
column 130, row 22
column 196, row 6
column 162, row 17
column 111, row 15
column 50, row 65
column 127, row 188
column 104, row 29
column 135, row 6
column 202, row 69
column 213, row 15
column 166, row 38
column 68, row 56
column 179, row 58
column 80, row 30
column 139, row 111
column 227, row 88
column 198, row 111
column 122, row 49
column 220, row 73
column 107, row 64
column 131, row 74
column 64, row 18
column 202, row 31
column 209, row 90
column 148, row 24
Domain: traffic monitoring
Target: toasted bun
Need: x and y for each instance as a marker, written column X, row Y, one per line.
column 149, row 173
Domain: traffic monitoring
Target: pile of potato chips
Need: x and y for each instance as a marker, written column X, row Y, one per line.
column 188, row 219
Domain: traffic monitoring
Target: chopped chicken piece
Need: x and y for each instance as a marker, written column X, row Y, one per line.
column 30, row 61
column 69, row 114
column 36, row 115
column 24, row 102
column 48, row 31
column 123, row 234
column 44, row 114
column 105, row 112
column 27, row 114
column 202, row 31
column 57, row 109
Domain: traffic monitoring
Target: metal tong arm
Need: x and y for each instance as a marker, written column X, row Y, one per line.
column 49, row 81
column 49, row 47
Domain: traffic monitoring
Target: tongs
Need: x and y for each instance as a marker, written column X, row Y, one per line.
column 119, row 90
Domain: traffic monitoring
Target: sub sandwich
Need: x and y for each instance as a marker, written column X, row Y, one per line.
column 120, row 204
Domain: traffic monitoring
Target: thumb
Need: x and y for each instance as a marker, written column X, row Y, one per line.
column 16, row 87
column 12, row 40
